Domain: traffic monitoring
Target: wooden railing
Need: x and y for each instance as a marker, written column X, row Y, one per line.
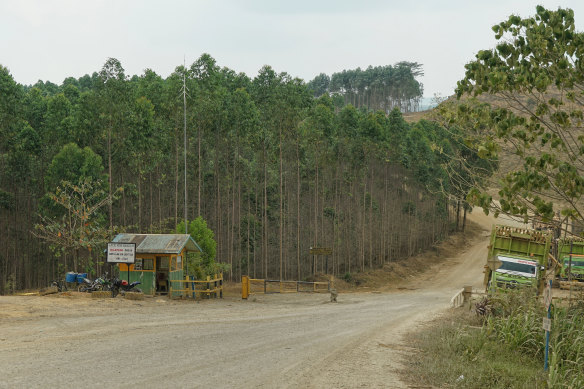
column 458, row 299
column 461, row 297
column 190, row 287
column 251, row 286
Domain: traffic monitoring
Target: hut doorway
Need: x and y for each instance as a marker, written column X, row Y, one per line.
column 162, row 267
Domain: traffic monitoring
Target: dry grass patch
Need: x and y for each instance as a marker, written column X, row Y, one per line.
column 454, row 352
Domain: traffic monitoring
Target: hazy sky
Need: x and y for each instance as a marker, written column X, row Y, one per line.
column 54, row 39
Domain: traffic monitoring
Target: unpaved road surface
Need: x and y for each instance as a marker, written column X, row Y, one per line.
column 271, row 341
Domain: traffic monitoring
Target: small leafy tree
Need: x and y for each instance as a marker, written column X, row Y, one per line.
column 202, row 264
column 82, row 225
column 533, row 81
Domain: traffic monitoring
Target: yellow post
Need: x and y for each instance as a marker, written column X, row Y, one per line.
column 244, row 287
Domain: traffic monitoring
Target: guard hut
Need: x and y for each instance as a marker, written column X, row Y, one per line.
column 160, row 258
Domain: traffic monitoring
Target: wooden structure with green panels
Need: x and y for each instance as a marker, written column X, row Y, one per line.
column 160, row 260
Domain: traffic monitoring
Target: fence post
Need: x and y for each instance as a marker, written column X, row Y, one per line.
column 244, row 287
column 221, row 285
column 215, row 285
column 467, row 294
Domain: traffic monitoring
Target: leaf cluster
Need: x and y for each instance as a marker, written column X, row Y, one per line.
column 534, row 81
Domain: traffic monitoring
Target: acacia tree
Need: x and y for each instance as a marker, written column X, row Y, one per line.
column 535, row 78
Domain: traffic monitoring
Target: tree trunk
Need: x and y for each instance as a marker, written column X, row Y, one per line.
column 281, row 227
column 298, row 207
column 457, row 214
column 110, row 185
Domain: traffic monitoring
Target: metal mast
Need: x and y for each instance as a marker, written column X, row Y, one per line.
column 185, row 140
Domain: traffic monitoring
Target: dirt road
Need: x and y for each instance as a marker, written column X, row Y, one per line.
column 270, row 341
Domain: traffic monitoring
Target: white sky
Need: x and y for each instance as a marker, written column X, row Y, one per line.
column 50, row 40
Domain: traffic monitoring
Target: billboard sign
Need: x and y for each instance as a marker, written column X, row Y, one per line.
column 121, row 252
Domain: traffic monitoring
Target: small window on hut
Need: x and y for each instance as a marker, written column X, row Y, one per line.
column 163, row 261
column 147, row 264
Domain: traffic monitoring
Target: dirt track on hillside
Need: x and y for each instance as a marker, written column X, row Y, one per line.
column 293, row 340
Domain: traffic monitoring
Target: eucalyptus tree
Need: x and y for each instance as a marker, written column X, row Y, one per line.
column 293, row 101
column 113, row 92
column 318, row 131
column 380, row 87
column 10, row 123
column 153, row 129
column 9, row 104
column 243, row 122
column 319, row 85
column 58, row 126
column 263, row 93
column 208, row 95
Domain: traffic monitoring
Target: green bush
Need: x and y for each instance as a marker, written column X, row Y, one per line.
column 202, row 264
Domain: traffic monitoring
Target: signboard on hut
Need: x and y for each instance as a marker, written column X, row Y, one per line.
column 121, row 252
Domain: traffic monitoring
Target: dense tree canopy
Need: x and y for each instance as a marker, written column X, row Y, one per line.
column 270, row 168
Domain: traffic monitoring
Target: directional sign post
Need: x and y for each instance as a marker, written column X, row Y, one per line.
column 547, row 321
column 321, row 251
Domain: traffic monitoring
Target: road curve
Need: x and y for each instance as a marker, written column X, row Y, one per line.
column 272, row 341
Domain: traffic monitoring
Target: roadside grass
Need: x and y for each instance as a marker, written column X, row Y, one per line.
column 455, row 352
column 499, row 343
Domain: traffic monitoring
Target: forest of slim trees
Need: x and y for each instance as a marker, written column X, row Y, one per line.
column 273, row 169
column 376, row 88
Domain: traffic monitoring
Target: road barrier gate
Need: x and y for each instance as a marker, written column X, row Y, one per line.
column 251, row 286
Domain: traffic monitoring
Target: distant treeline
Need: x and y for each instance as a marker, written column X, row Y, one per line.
column 376, row 88
column 272, row 169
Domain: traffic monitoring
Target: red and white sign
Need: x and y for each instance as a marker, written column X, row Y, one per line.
column 517, row 260
column 121, row 252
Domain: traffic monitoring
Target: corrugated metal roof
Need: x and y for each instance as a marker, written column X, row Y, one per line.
column 159, row 243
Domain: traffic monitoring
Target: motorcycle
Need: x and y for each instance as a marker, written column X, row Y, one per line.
column 61, row 285
column 122, row 286
column 100, row 283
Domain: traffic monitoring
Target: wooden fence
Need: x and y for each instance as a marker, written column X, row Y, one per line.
column 251, row 286
column 190, row 287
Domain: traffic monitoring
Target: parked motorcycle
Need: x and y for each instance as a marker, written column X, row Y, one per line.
column 100, row 283
column 61, row 285
column 122, row 286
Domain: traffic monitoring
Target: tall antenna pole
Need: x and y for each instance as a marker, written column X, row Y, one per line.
column 185, row 140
